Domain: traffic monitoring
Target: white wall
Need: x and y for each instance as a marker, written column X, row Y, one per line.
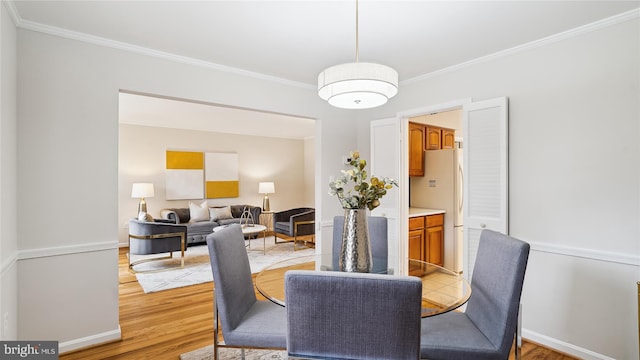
column 574, row 172
column 8, row 159
column 68, row 170
column 142, row 159
column 575, row 199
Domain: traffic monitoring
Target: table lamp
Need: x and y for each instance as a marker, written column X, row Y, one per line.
column 266, row 188
column 142, row 190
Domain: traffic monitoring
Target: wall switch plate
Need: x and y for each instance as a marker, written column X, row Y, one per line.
column 432, row 183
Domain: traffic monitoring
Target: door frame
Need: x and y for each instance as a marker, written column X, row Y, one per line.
column 403, row 182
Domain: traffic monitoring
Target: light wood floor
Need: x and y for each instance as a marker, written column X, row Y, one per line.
column 165, row 324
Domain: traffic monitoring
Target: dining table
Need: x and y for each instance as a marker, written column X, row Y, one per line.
column 442, row 290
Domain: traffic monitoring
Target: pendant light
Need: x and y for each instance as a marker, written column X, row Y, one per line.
column 357, row 85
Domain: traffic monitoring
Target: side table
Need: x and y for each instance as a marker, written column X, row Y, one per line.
column 267, row 220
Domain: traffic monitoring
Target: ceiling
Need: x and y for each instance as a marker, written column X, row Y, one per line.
column 292, row 41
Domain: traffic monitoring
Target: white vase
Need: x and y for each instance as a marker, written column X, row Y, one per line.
column 355, row 252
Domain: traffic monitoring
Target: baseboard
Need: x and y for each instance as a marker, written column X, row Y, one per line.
column 90, row 341
column 562, row 346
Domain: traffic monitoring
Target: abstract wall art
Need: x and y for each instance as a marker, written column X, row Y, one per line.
column 192, row 175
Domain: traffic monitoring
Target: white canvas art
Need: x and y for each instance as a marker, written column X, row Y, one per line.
column 184, row 184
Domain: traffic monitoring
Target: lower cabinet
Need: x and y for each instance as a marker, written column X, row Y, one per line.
column 426, row 238
column 416, row 238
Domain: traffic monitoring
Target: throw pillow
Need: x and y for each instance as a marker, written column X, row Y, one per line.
column 143, row 216
column 198, row 212
column 220, row 213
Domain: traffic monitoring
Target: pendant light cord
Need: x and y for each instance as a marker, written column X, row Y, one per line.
column 357, row 36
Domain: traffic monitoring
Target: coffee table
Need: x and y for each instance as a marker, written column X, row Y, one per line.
column 251, row 230
column 255, row 229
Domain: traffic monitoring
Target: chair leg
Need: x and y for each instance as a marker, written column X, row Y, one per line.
column 216, row 334
column 519, row 334
column 242, row 353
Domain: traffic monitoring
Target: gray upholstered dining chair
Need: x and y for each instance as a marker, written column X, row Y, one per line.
column 342, row 315
column 246, row 322
column 377, row 237
column 485, row 331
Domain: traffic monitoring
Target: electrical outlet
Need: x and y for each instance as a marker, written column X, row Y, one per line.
column 126, row 224
column 432, row 183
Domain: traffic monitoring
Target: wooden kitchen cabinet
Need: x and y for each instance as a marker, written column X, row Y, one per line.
column 416, row 238
column 416, row 149
column 434, row 238
column 426, row 238
column 448, row 138
column 433, row 138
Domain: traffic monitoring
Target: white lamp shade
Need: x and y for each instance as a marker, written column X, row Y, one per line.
column 266, row 188
column 357, row 85
column 142, row 190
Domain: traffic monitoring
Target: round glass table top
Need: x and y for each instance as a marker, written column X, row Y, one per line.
column 442, row 290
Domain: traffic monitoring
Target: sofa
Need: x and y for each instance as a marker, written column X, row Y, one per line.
column 202, row 219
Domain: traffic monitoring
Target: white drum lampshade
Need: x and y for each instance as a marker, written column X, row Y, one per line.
column 357, row 85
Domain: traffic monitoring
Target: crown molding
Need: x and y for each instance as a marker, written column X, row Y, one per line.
column 610, row 21
column 56, row 31
column 13, row 12
column 96, row 40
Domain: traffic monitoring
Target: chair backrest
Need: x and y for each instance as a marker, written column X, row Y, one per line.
column 344, row 315
column 496, row 286
column 377, row 237
column 233, row 286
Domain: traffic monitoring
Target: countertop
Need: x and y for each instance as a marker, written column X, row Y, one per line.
column 413, row 212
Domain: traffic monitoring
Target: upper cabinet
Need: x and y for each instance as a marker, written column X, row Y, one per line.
column 434, row 134
column 416, row 149
column 448, row 139
column 426, row 137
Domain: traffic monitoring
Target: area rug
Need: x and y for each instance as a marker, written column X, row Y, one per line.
column 197, row 269
column 206, row 353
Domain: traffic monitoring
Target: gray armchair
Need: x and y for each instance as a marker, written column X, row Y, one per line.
column 294, row 223
column 342, row 315
column 485, row 331
column 147, row 237
column 246, row 322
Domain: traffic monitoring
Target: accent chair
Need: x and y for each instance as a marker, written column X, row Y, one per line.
column 149, row 237
column 293, row 223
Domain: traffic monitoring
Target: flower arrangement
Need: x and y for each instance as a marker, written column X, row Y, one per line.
column 362, row 194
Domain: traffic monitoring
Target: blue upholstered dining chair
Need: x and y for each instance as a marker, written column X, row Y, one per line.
column 377, row 237
column 485, row 331
column 341, row 315
column 246, row 322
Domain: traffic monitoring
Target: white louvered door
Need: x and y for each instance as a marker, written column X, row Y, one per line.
column 486, row 173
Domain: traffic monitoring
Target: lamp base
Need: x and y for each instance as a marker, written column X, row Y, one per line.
column 142, row 206
column 265, row 204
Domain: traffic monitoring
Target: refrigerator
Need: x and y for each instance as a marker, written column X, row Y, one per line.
column 442, row 188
